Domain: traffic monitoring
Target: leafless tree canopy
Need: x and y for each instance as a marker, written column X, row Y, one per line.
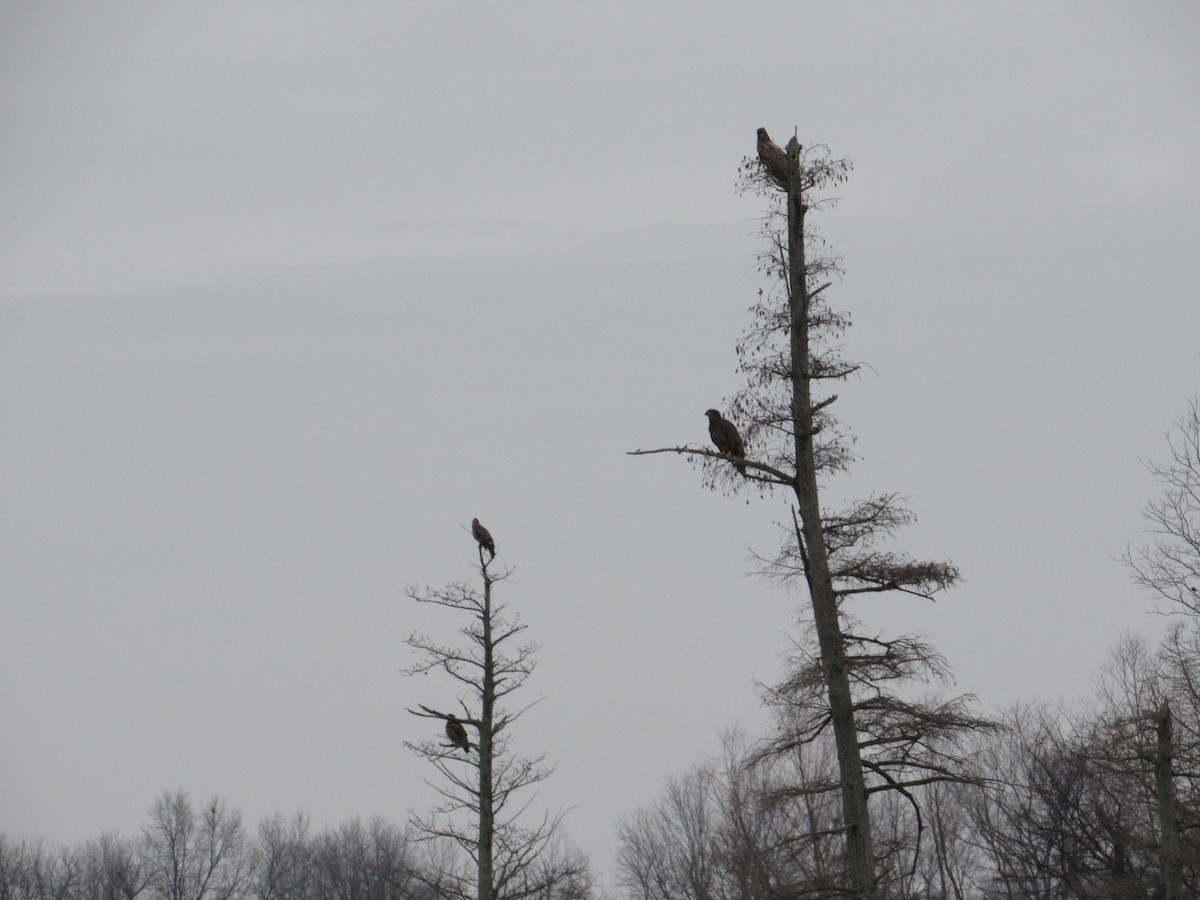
column 1169, row 566
column 195, row 854
column 203, row 852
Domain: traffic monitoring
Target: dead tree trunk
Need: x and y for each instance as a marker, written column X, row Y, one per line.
column 859, row 847
column 487, row 820
column 1164, row 783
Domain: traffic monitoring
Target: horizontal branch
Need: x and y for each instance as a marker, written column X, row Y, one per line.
column 897, row 784
column 428, row 713
column 778, row 477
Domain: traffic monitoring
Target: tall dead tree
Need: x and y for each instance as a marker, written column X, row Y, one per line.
column 479, row 782
column 790, row 353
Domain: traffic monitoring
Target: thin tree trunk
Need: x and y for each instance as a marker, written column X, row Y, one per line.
column 856, row 816
column 1172, row 873
column 486, row 817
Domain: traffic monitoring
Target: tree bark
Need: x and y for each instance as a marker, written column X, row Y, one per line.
column 856, row 816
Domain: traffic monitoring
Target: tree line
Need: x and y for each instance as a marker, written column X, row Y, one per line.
column 204, row 852
column 188, row 851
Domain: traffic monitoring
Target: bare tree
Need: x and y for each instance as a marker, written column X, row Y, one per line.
column 36, row 870
column 1170, row 566
column 736, row 828
column 1144, row 736
column 357, row 861
column 561, row 871
column 789, row 355
column 1096, row 803
column 1023, row 841
column 112, row 869
column 481, row 782
column 283, row 866
column 668, row 850
column 195, row 855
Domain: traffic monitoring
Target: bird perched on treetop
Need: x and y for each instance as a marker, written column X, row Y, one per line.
column 725, row 436
column 457, row 733
column 773, row 158
column 484, row 537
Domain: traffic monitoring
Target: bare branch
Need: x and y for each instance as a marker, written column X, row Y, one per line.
column 777, row 476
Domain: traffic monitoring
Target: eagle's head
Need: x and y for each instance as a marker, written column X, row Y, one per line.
column 762, row 135
column 712, row 414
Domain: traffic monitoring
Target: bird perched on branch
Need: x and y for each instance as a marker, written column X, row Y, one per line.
column 484, row 538
column 773, row 158
column 457, row 732
column 725, row 436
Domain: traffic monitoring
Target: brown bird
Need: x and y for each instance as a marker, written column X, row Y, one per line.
column 725, row 436
column 457, row 732
column 484, row 537
column 773, row 158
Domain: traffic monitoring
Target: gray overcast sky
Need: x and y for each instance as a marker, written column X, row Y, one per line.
column 291, row 291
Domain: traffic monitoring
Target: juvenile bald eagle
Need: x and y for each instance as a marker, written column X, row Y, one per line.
column 457, row 732
column 484, row 537
column 725, row 436
column 773, row 158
